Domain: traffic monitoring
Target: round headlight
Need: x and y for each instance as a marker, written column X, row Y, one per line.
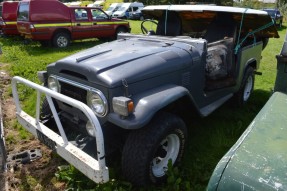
column 90, row 129
column 97, row 102
column 53, row 84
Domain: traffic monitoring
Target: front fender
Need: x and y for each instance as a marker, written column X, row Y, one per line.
column 147, row 104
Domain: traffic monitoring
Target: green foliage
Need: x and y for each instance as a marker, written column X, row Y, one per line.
column 175, row 179
column 77, row 181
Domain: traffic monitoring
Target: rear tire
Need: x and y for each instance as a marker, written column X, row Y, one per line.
column 247, row 85
column 147, row 151
column 61, row 40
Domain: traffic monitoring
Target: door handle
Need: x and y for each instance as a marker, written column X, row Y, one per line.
column 94, row 23
column 78, row 24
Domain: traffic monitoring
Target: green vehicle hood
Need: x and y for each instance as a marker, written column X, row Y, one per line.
column 258, row 160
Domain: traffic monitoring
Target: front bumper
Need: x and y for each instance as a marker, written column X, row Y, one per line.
column 96, row 170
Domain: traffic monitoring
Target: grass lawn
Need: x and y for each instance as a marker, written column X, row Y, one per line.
column 209, row 138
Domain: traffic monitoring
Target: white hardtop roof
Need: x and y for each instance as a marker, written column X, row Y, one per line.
column 98, row 2
column 202, row 8
column 115, row 4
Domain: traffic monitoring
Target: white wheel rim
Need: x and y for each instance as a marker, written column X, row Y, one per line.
column 168, row 149
column 62, row 41
column 248, row 88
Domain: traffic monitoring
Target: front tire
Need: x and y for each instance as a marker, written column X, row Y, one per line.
column 61, row 40
column 147, row 151
column 247, row 85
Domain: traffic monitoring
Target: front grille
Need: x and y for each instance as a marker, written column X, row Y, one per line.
column 73, row 92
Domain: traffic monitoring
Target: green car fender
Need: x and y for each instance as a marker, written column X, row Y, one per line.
column 258, row 160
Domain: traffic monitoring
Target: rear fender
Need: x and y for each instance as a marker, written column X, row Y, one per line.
column 147, row 104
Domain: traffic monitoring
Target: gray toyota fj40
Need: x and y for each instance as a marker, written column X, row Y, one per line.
column 133, row 90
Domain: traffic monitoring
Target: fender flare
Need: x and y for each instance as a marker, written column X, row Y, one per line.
column 147, row 104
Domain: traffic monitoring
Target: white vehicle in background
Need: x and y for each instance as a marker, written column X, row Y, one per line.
column 126, row 8
column 98, row 4
column 113, row 8
column 74, row 4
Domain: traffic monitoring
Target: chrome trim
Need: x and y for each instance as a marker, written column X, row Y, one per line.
column 103, row 99
column 57, row 82
column 87, row 88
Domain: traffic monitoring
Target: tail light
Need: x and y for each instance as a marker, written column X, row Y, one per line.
column 2, row 23
column 32, row 28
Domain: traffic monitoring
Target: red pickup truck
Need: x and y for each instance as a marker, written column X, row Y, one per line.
column 52, row 22
column 8, row 17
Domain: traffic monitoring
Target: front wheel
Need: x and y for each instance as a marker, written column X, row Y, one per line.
column 61, row 40
column 244, row 93
column 147, row 151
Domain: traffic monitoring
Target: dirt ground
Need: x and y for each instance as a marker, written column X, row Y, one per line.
column 38, row 174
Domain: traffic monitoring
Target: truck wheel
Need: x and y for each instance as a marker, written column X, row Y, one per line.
column 147, row 151
column 243, row 95
column 61, row 40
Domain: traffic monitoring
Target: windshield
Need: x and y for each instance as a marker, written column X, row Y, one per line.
column 122, row 8
column 110, row 8
column 23, row 11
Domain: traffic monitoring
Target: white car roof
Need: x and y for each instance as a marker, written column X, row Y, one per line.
column 202, row 8
column 196, row 17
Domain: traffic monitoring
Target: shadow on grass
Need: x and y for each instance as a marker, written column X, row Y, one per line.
column 211, row 137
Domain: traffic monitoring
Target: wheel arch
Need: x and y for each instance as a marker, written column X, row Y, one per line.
column 64, row 30
column 122, row 27
column 252, row 63
column 165, row 98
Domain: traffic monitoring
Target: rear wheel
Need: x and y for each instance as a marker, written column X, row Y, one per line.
column 61, row 40
column 244, row 93
column 147, row 151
